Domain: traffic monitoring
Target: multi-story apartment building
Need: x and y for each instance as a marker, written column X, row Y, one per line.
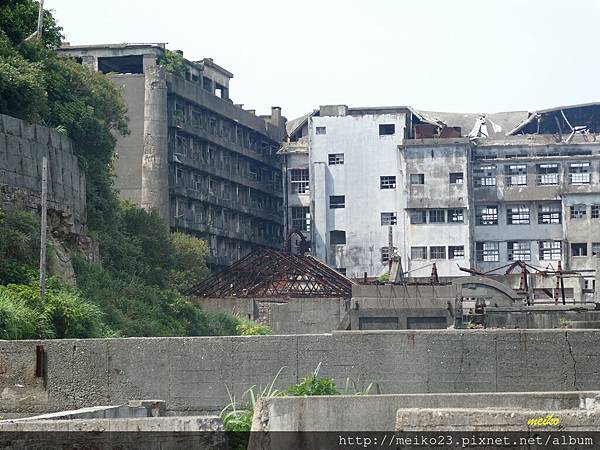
column 208, row 166
column 457, row 190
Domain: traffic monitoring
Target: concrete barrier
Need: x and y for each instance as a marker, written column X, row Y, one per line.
column 489, row 420
column 378, row 412
column 191, row 374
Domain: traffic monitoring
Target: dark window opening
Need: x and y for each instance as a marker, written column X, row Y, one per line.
column 121, row 64
column 417, row 178
column 337, row 201
column 207, row 84
column 386, row 129
column 579, row 249
column 456, row 178
column 337, row 237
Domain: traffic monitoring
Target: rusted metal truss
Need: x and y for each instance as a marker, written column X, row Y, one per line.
column 267, row 273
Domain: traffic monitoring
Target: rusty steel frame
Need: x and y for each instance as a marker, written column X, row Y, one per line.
column 267, row 273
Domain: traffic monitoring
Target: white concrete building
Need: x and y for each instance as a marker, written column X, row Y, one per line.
column 356, row 183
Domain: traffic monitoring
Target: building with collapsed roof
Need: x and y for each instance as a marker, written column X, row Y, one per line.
column 457, row 190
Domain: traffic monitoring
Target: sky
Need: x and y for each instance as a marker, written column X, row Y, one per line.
column 439, row 55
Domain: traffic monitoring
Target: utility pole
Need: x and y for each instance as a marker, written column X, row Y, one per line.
column 43, row 226
column 40, row 25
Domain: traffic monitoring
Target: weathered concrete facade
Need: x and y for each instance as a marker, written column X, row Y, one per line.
column 355, row 181
column 206, row 165
column 190, row 374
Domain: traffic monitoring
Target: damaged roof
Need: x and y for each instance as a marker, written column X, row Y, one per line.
column 498, row 124
column 581, row 118
column 268, row 273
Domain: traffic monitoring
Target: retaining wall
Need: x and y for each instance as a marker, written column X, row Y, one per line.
column 22, row 146
column 191, row 374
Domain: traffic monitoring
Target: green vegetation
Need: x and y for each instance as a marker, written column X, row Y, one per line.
column 139, row 287
column 173, row 61
column 238, row 414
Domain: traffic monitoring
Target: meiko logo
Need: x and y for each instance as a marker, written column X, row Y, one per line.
column 547, row 421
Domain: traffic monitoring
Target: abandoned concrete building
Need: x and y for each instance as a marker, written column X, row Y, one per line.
column 458, row 190
column 204, row 163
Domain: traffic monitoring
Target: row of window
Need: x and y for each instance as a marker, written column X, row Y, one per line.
column 521, row 250
column 521, row 214
column 438, row 252
column 422, row 216
column 547, row 174
column 385, row 129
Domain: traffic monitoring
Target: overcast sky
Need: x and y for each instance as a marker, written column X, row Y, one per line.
column 459, row 55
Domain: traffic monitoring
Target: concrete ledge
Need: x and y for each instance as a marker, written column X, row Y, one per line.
column 180, row 423
column 455, row 419
column 378, row 412
column 135, row 409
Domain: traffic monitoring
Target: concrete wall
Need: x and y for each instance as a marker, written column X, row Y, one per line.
column 436, row 163
column 130, row 148
column 367, row 156
column 190, row 374
column 286, row 315
column 22, row 146
column 561, row 194
column 378, row 412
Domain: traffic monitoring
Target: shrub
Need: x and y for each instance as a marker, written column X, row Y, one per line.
column 314, row 385
column 20, row 321
column 188, row 261
column 247, row 327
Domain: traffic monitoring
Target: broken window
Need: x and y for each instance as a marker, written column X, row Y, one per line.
column 387, row 182
column 549, row 214
column 179, row 180
column 385, row 253
column 456, row 252
column 121, row 64
column 579, row 249
column 456, row 178
column 389, row 218
column 418, row 253
column 321, row 130
column 550, row 250
column 456, row 216
column 595, row 211
column 418, row 216
column 299, row 179
column 578, row 211
column 196, row 182
column 547, row 174
column 485, row 175
column 516, row 175
column 437, row 216
column 417, row 178
column 337, row 201
column 179, row 113
column 436, row 252
column 595, row 248
column 517, row 215
column 487, row 251
column 301, row 218
column 519, row 250
column 336, row 159
column 386, row 129
column 207, row 84
column 337, row 237
column 579, row 173
column 487, row 215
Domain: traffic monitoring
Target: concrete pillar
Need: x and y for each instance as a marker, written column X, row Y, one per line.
column 597, row 291
column 155, row 161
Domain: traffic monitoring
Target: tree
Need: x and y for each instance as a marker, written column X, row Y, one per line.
column 189, row 265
